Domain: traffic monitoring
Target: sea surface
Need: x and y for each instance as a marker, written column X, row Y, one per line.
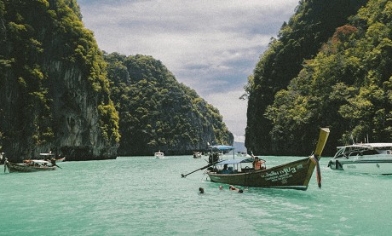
column 147, row 196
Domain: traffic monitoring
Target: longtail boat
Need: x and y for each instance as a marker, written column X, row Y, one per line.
column 292, row 175
column 30, row 166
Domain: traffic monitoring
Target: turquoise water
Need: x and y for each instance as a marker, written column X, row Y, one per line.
column 147, row 196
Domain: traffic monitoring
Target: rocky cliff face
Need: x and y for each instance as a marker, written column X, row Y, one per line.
column 75, row 110
column 53, row 89
column 54, row 93
column 159, row 113
column 300, row 39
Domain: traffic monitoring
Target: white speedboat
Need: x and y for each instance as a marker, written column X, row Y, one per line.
column 367, row 158
column 159, row 155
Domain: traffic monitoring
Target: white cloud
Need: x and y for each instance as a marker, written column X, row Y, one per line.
column 211, row 46
column 232, row 109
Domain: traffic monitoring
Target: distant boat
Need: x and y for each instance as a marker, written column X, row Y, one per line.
column 196, row 154
column 159, row 155
column 60, row 159
column 365, row 158
column 243, row 154
column 49, row 156
column 29, row 166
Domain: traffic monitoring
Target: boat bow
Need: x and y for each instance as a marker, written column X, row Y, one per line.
column 323, row 137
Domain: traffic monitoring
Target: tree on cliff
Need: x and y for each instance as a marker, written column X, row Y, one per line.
column 300, row 39
column 346, row 86
column 157, row 112
column 54, row 94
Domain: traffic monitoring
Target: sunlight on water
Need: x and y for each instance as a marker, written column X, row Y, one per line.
column 146, row 196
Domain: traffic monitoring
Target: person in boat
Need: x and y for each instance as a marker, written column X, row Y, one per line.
column 257, row 164
column 214, row 157
column 225, row 169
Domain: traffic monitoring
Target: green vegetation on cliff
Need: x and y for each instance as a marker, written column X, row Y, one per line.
column 55, row 93
column 52, row 82
column 346, row 86
column 298, row 40
column 157, row 112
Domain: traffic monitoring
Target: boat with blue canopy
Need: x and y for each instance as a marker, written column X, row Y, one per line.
column 243, row 172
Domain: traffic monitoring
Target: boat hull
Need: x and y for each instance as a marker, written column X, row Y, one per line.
column 22, row 167
column 381, row 166
column 292, row 175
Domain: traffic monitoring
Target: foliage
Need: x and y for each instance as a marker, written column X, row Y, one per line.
column 158, row 113
column 39, row 37
column 346, row 86
column 53, row 78
column 279, row 129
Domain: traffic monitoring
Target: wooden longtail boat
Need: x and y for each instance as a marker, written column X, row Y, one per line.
column 292, row 175
column 29, row 166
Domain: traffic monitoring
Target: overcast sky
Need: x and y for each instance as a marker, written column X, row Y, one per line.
column 211, row 46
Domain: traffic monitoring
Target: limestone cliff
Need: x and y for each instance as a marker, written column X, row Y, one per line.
column 159, row 113
column 54, row 94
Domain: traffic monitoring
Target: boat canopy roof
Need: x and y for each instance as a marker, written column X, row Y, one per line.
column 369, row 145
column 235, row 161
column 40, row 161
column 46, row 154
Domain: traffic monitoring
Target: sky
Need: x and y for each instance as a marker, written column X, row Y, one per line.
column 211, row 46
